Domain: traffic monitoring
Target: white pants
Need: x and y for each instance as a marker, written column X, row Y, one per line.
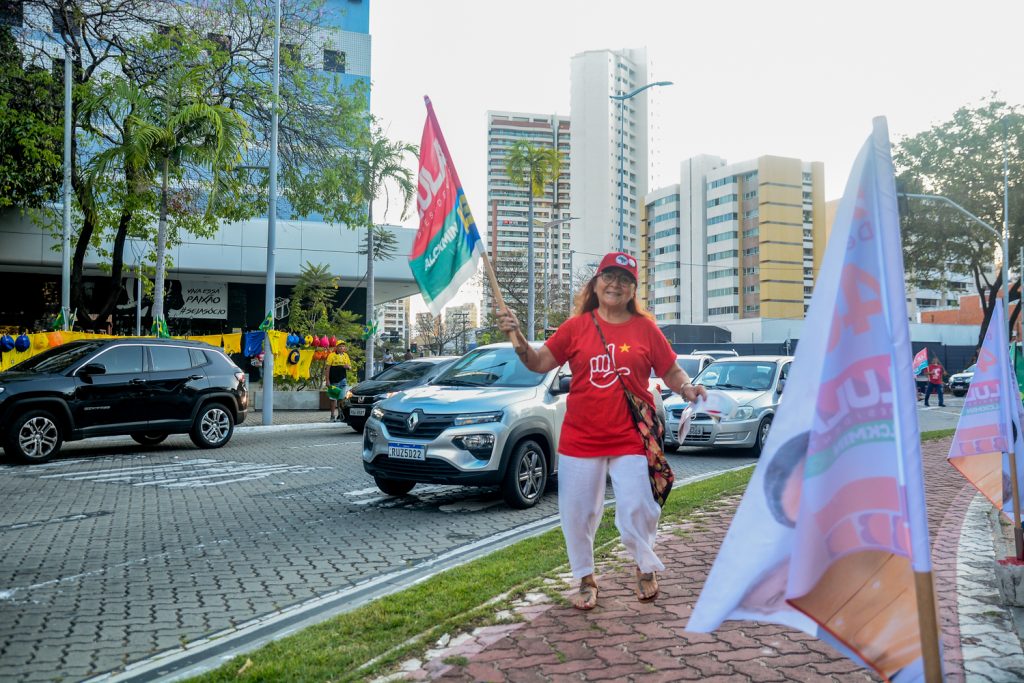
column 581, row 486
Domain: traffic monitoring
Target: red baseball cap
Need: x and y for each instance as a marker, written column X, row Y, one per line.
column 618, row 259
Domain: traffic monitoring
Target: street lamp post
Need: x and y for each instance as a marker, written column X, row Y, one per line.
column 547, row 275
column 271, row 300
column 622, row 150
column 65, row 265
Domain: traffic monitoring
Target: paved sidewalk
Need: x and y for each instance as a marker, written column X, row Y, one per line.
column 623, row 639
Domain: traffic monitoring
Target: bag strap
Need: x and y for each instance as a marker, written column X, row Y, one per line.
column 625, row 391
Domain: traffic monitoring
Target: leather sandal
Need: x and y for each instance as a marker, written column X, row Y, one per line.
column 586, row 598
column 646, row 593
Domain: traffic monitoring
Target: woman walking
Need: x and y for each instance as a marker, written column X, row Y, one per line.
column 610, row 336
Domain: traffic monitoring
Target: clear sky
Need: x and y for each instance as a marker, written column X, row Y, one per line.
column 789, row 78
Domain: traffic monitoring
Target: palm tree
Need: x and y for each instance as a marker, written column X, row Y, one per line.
column 382, row 165
column 533, row 166
column 171, row 134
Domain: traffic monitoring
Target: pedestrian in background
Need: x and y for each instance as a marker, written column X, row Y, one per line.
column 599, row 437
column 336, row 377
column 934, row 371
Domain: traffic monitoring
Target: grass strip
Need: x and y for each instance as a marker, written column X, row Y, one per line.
column 937, row 434
column 337, row 648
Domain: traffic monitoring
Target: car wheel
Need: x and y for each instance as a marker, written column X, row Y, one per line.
column 762, row 436
column 34, row 437
column 213, row 426
column 394, row 487
column 958, row 394
column 149, row 438
column 672, row 449
column 526, row 475
column 357, row 424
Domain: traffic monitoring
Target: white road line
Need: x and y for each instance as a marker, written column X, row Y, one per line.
column 10, row 592
column 123, row 470
column 213, row 473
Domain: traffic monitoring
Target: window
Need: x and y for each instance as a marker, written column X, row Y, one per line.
column 12, row 12
column 334, row 61
column 170, row 358
column 121, row 360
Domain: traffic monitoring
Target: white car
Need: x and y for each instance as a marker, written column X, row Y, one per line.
column 756, row 382
column 691, row 364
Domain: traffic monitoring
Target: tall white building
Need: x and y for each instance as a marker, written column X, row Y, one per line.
column 594, row 155
column 507, row 203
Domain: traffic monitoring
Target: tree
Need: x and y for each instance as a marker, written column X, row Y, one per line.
column 320, row 123
column 962, row 159
column 172, row 133
column 437, row 333
column 31, row 130
column 313, row 312
column 530, row 166
column 381, row 166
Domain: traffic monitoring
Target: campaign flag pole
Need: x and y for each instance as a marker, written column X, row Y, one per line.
column 447, row 247
column 988, row 437
column 831, row 536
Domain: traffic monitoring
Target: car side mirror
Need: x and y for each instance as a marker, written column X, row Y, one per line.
column 564, row 382
column 93, row 369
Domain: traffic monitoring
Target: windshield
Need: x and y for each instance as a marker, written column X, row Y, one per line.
column 738, row 375
column 57, row 359
column 494, row 367
column 403, row 372
column 691, row 366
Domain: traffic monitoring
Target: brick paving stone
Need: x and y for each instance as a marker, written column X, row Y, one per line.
column 738, row 652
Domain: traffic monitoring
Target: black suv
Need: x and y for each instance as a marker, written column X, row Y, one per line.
column 147, row 388
column 410, row 373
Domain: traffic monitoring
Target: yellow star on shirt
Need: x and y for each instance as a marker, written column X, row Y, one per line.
column 624, row 348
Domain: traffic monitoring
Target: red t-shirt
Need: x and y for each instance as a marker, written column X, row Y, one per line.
column 597, row 420
column 935, row 374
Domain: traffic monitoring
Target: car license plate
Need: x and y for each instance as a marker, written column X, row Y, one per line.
column 406, row 451
column 695, row 430
column 357, row 411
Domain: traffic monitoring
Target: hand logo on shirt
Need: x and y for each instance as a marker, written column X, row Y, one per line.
column 601, row 373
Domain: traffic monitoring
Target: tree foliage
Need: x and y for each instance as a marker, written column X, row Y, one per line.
column 962, row 159
column 31, row 130
column 529, row 165
column 321, row 122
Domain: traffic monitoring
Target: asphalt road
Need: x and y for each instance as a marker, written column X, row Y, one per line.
column 117, row 552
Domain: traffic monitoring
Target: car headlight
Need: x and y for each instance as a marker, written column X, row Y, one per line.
column 348, row 394
column 2, row 389
column 477, row 418
column 377, row 413
column 742, row 413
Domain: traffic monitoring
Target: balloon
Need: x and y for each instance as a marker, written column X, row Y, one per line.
column 293, row 357
column 324, row 342
column 55, row 339
column 22, row 343
column 39, row 341
column 334, row 342
column 6, row 343
column 309, row 340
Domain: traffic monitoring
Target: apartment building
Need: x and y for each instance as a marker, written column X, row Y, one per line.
column 735, row 241
column 595, row 149
column 508, row 203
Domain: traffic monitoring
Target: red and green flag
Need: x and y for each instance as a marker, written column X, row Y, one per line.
column 447, row 248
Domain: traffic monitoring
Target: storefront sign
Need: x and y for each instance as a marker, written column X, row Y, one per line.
column 199, row 300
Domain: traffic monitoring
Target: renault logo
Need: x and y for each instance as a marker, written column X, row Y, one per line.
column 413, row 420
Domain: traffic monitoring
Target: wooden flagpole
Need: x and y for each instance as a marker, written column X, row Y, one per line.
column 927, row 620
column 1018, row 532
